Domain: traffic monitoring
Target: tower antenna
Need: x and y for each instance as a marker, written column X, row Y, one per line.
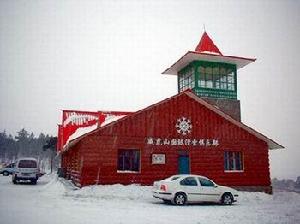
column 204, row 27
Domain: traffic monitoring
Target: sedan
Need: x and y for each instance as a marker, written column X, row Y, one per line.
column 182, row 189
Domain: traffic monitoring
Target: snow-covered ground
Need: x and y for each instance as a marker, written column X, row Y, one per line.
column 52, row 201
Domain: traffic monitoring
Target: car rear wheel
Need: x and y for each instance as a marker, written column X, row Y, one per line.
column 180, row 199
column 227, row 199
column 5, row 173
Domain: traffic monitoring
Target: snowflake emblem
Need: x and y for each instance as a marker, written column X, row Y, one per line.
column 184, row 126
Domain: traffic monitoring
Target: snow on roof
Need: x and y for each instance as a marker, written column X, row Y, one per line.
column 111, row 118
column 271, row 143
column 81, row 131
column 85, row 130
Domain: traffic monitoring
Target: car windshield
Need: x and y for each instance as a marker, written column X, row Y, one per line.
column 27, row 164
column 173, row 178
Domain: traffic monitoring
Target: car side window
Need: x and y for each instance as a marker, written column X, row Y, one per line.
column 206, row 182
column 189, row 181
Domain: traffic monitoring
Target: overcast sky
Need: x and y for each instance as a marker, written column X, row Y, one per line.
column 109, row 55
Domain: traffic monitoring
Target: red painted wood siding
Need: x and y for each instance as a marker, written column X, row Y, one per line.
column 98, row 152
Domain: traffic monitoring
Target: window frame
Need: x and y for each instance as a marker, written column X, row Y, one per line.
column 215, row 81
column 128, row 170
column 227, row 161
column 186, row 78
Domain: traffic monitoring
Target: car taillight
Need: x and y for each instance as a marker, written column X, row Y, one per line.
column 163, row 187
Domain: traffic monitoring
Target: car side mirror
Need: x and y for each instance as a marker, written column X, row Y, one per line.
column 215, row 186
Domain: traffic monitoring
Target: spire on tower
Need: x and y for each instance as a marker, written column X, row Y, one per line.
column 206, row 45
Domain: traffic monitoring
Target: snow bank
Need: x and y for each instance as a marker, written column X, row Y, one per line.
column 114, row 192
column 52, row 185
column 253, row 197
column 54, row 200
column 144, row 193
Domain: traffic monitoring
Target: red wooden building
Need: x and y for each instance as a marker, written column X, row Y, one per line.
column 196, row 131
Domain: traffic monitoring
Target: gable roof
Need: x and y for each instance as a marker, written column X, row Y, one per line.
column 271, row 143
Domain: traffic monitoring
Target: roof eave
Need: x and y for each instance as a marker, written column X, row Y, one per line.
column 190, row 56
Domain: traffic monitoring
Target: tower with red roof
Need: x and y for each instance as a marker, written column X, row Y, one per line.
column 210, row 75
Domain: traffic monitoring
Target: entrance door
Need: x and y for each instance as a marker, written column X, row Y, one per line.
column 183, row 164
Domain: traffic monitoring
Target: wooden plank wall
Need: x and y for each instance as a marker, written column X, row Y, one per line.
column 95, row 156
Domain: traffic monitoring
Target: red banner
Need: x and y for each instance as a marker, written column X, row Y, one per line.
column 76, row 123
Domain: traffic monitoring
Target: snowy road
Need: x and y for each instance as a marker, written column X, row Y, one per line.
column 52, row 202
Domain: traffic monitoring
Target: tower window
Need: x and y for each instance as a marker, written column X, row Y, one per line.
column 186, row 79
column 216, row 77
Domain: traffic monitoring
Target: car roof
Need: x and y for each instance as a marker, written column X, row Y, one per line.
column 189, row 175
column 26, row 158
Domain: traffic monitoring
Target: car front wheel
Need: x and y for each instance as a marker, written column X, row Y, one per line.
column 5, row 173
column 227, row 199
column 180, row 199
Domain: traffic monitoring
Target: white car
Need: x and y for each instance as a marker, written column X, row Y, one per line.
column 182, row 189
column 26, row 170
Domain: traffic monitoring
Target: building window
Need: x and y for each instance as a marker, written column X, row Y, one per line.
column 216, row 77
column 129, row 160
column 233, row 161
column 187, row 79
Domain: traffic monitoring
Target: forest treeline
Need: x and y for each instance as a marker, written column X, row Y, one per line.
column 24, row 144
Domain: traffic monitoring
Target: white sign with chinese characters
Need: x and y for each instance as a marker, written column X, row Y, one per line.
column 182, row 141
column 183, row 126
column 158, row 159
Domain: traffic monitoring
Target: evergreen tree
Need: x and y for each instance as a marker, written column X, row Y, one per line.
column 24, row 144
